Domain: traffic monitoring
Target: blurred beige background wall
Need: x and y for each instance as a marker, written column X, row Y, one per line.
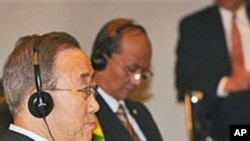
column 83, row 19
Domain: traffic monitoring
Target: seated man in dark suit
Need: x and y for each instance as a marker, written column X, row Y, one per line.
column 121, row 56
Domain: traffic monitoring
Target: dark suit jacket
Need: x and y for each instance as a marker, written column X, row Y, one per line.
column 115, row 131
column 5, row 116
column 202, row 60
column 13, row 136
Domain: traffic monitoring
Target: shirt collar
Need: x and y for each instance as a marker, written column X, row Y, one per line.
column 241, row 12
column 26, row 132
column 112, row 102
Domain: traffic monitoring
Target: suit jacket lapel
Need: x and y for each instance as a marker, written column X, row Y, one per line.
column 219, row 41
column 139, row 117
column 111, row 126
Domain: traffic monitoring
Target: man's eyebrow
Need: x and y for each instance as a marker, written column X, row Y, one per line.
column 137, row 66
column 85, row 76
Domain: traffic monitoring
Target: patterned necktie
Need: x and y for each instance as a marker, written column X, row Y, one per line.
column 123, row 117
column 237, row 54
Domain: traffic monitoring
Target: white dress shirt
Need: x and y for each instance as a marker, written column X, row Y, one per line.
column 26, row 132
column 243, row 24
column 114, row 104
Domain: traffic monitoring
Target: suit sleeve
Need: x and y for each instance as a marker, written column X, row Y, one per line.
column 198, row 61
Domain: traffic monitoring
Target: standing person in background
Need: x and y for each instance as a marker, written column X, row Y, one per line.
column 48, row 85
column 213, row 56
column 121, row 56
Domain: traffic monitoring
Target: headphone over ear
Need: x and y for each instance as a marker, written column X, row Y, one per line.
column 40, row 104
column 98, row 61
column 104, row 43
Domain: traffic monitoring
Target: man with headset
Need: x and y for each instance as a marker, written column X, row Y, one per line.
column 48, row 84
column 121, row 56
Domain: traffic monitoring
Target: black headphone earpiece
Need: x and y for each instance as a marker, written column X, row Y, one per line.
column 98, row 61
column 40, row 104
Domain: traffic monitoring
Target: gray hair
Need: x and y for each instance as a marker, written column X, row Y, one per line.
column 18, row 75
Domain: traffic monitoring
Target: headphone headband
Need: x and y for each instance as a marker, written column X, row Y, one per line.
column 37, row 73
column 131, row 24
column 40, row 103
column 106, row 40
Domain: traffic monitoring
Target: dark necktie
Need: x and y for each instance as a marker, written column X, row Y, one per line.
column 237, row 53
column 123, row 117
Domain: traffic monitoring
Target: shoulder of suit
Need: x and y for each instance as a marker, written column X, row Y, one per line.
column 134, row 104
column 132, row 101
column 200, row 14
column 248, row 8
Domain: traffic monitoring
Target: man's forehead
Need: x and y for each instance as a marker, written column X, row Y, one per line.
column 74, row 60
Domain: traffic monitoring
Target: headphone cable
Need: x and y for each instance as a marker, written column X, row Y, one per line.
column 50, row 133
